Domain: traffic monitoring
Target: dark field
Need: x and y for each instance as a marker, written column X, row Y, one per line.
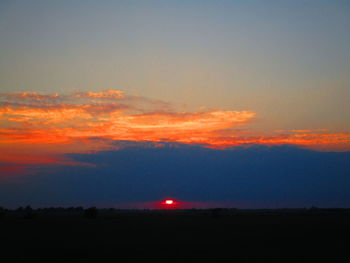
column 218, row 235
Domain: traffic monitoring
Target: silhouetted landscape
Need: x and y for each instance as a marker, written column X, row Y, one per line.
column 193, row 235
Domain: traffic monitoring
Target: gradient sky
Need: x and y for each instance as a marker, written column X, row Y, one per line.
column 84, row 77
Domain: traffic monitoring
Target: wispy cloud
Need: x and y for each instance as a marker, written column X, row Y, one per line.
column 30, row 96
column 42, row 127
column 111, row 114
column 108, row 94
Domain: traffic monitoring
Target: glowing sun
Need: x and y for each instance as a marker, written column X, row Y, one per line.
column 169, row 202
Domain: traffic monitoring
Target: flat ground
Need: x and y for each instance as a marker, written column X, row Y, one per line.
column 176, row 236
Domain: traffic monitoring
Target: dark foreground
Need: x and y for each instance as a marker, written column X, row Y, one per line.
column 72, row 235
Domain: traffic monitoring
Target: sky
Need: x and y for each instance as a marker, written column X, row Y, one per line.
column 216, row 81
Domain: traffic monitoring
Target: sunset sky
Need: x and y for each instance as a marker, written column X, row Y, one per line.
column 211, row 80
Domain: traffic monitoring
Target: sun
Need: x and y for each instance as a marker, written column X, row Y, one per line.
column 169, row 202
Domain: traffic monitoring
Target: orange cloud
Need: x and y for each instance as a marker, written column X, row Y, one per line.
column 41, row 128
column 315, row 140
column 60, row 122
column 29, row 96
column 31, row 115
column 108, row 94
column 119, row 126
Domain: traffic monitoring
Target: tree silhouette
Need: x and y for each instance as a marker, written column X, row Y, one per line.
column 29, row 213
column 90, row 212
column 2, row 212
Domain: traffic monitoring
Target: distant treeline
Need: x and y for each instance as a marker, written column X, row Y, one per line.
column 92, row 212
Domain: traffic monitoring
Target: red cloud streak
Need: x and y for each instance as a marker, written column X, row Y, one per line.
column 84, row 122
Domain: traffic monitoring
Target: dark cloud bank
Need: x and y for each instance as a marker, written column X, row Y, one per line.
column 244, row 177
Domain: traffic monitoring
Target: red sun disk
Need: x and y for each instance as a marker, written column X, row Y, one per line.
column 169, row 202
